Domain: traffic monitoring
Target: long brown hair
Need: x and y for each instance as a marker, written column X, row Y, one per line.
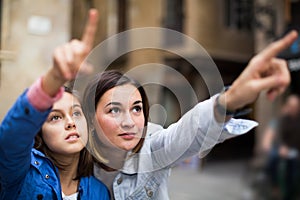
column 96, row 88
column 85, row 164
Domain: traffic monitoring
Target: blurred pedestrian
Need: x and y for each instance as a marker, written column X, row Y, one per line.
column 289, row 148
column 280, row 143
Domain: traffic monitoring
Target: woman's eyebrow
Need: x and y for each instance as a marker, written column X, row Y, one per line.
column 119, row 104
column 113, row 103
column 137, row 102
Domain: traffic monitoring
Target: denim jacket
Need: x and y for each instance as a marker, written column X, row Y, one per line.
column 145, row 175
column 26, row 173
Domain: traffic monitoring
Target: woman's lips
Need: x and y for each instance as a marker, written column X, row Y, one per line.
column 127, row 136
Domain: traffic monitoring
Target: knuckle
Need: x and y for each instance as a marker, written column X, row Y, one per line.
column 256, row 60
column 69, row 62
column 74, row 41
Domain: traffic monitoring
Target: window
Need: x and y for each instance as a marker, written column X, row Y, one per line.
column 265, row 19
column 239, row 14
column 174, row 19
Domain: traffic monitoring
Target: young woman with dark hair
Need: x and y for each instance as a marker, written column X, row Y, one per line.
column 134, row 156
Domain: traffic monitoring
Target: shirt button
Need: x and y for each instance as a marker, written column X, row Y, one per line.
column 36, row 162
column 119, row 181
column 27, row 111
column 47, row 176
column 39, row 196
column 149, row 192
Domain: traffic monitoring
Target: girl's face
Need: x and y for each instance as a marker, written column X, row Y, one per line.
column 119, row 114
column 60, row 132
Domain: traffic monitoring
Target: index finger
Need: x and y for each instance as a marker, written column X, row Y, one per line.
column 90, row 28
column 276, row 47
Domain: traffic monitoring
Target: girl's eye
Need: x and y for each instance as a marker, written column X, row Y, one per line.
column 77, row 113
column 137, row 109
column 114, row 110
column 54, row 118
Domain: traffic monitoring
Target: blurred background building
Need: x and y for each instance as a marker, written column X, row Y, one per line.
column 231, row 31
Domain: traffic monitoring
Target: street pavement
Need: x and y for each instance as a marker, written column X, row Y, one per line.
column 218, row 180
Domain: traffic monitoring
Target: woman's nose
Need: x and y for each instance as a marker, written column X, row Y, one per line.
column 127, row 121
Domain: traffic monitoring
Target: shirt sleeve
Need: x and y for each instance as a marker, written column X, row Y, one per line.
column 197, row 132
column 39, row 99
column 17, row 132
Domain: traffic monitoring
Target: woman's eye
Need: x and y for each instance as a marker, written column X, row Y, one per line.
column 114, row 110
column 137, row 109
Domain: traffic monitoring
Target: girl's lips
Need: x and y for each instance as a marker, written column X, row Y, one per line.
column 72, row 137
column 127, row 136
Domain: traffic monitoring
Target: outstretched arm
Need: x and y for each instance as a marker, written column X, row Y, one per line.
column 197, row 130
column 264, row 72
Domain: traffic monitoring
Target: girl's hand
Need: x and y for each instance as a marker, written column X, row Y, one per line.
column 68, row 59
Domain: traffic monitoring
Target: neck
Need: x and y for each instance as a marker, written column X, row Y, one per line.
column 115, row 157
column 105, row 167
column 67, row 179
column 68, row 173
column 69, row 186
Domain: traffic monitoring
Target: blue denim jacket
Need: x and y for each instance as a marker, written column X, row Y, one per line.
column 145, row 175
column 26, row 173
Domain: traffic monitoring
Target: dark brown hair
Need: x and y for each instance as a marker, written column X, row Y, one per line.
column 103, row 82
column 85, row 164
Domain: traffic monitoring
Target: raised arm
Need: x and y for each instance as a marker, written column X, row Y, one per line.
column 25, row 118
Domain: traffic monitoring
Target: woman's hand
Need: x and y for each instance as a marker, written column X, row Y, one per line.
column 68, row 59
column 264, row 72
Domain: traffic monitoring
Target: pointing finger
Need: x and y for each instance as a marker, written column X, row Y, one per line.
column 90, row 28
column 276, row 47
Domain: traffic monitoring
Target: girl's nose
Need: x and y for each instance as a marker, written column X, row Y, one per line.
column 70, row 123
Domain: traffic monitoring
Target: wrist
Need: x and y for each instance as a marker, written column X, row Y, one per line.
column 222, row 108
column 226, row 106
column 51, row 83
column 55, row 76
column 225, row 99
column 39, row 99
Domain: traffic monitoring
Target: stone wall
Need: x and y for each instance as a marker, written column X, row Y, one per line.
column 31, row 29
